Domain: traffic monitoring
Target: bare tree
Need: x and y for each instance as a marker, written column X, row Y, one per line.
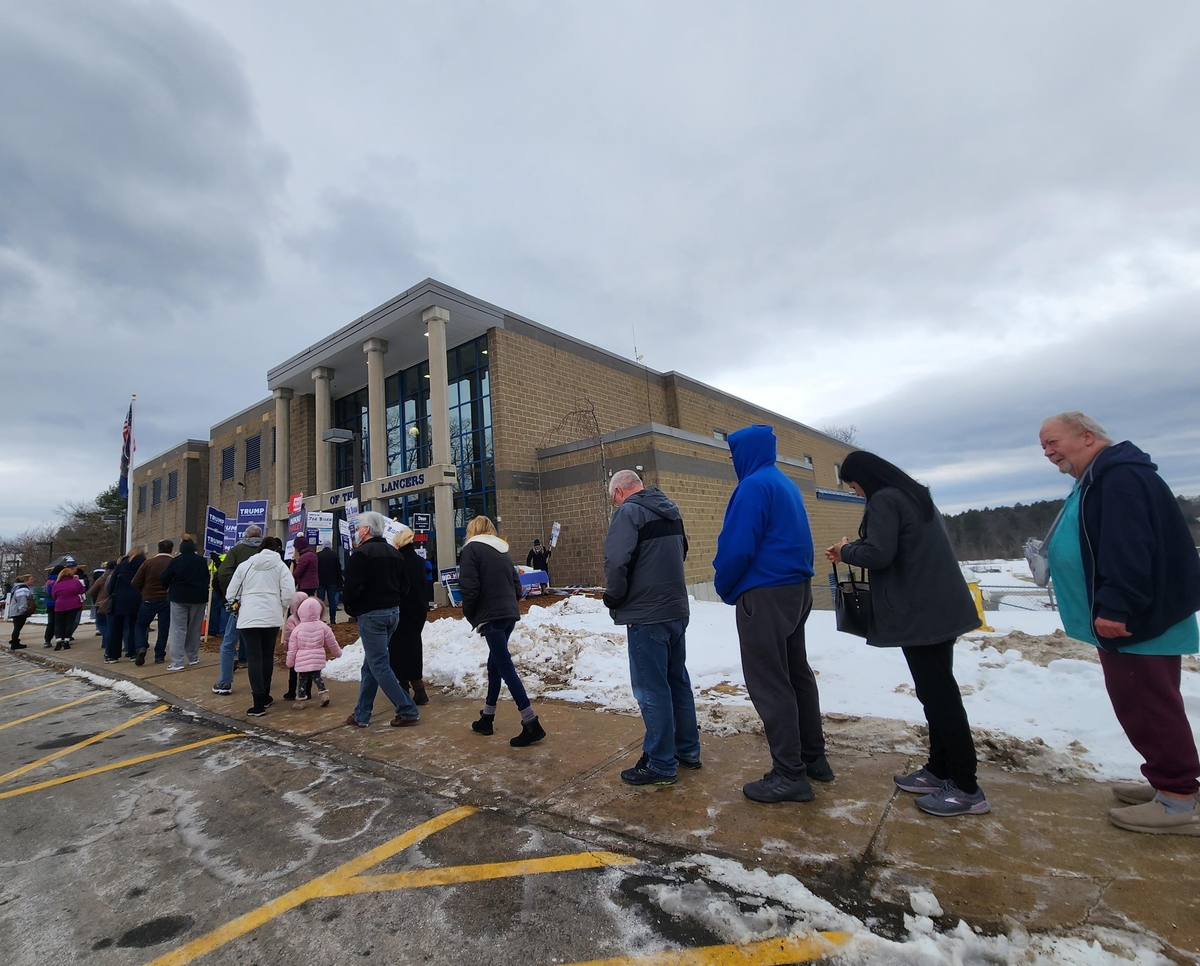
column 846, row 434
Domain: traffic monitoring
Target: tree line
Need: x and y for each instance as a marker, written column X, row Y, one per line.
column 80, row 532
column 1000, row 532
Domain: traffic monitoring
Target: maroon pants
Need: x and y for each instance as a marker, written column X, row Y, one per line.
column 1144, row 689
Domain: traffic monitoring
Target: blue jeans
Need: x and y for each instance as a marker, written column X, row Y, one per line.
column 120, row 631
column 664, row 693
column 332, row 596
column 375, row 627
column 149, row 610
column 231, row 641
column 500, row 666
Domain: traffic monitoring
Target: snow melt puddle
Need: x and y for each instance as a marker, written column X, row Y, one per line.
column 745, row 905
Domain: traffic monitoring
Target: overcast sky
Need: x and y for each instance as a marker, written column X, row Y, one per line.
column 939, row 222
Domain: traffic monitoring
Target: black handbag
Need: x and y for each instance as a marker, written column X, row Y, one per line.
column 852, row 603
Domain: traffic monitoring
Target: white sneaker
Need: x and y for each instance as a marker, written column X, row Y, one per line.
column 194, row 663
column 175, row 667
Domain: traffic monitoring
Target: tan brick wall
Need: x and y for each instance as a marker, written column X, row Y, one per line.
column 260, row 484
column 304, row 445
column 172, row 518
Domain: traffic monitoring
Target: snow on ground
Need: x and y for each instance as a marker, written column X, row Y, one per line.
column 744, row 905
column 123, row 688
column 573, row 652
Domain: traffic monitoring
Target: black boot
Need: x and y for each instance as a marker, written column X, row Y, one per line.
column 484, row 725
column 419, row 695
column 531, row 731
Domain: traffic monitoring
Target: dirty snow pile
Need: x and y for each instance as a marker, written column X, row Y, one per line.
column 572, row 651
column 743, row 905
column 124, row 688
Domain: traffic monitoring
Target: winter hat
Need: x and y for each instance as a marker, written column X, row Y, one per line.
column 310, row 610
column 300, row 543
column 403, row 537
column 299, row 599
column 537, row 543
column 187, row 546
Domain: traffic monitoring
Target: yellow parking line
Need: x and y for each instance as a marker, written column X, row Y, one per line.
column 766, row 952
column 22, row 674
column 41, row 714
column 323, row 885
column 17, row 694
column 81, row 744
column 453, row 874
column 87, row 773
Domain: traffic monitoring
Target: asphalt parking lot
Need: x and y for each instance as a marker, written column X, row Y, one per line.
column 137, row 833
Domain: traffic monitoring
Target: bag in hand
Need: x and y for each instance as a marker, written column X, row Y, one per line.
column 852, row 603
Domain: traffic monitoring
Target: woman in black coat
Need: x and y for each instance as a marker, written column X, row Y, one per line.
column 405, row 649
column 921, row 604
column 490, row 590
column 126, row 602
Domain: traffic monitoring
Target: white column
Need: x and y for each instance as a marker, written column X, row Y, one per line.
column 323, row 377
column 435, row 318
column 376, row 407
column 283, row 458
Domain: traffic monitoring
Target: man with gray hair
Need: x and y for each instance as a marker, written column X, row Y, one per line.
column 250, row 544
column 376, row 582
column 645, row 590
column 1127, row 580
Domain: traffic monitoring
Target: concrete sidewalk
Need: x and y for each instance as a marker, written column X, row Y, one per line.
column 1045, row 859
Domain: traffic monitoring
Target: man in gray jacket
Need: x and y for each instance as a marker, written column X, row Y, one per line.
column 645, row 590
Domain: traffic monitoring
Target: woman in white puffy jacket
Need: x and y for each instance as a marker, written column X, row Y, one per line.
column 262, row 588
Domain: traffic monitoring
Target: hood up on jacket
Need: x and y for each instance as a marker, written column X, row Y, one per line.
column 299, row 599
column 752, row 448
column 309, row 610
column 489, row 540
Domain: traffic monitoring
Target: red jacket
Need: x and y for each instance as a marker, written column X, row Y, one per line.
column 304, row 571
column 68, row 594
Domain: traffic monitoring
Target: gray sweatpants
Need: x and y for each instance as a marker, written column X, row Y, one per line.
column 783, row 688
column 186, row 623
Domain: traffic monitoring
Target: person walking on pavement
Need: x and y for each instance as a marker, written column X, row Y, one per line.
column 304, row 566
column 263, row 587
column 250, row 544
column 69, row 593
column 920, row 604
column 21, row 603
column 376, row 583
column 186, row 580
column 310, row 639
column 764, row 567
column 329, row 580
column 490, row 589
column 1127, row 580
column 405, row 647
column 99, row 594
column 126, row 604
column 155, row 604
column 646, row 590
column 48, row 590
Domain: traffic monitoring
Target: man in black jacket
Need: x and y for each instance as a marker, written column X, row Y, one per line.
column 1127, row 579
column 375, row 584
column 645, row 590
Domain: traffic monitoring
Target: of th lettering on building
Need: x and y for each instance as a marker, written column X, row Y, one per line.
column 465, row 408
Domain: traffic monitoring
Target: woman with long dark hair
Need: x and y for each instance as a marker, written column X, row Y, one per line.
column 920, row 604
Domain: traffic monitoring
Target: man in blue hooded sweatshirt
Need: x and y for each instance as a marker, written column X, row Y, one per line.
column 764, row 567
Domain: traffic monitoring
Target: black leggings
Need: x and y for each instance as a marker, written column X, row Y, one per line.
column 951, row 748
column 260, row 654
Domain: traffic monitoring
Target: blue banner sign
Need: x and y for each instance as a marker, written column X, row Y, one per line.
column 251, row 513
column 214, row 531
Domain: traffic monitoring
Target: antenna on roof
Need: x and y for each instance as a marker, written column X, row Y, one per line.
column 636, row 354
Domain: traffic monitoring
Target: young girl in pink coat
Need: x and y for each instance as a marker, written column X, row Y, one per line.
column 306, row 648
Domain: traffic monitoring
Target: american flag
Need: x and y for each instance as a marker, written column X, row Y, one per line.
column 127, row 449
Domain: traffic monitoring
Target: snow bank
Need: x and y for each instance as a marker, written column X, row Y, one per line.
column 123, row 688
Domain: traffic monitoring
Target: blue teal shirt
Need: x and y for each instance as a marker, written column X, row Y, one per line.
column 1070, row 589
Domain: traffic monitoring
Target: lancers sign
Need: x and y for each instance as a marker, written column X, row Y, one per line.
column 424, row 478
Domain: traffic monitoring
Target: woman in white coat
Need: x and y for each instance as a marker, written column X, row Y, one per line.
column 262, row 588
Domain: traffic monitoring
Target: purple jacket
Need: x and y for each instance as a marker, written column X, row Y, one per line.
column 67, row 594
column 304, row 571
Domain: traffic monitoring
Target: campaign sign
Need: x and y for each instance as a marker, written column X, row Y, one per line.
column 344, row 531
column 295, row 502
column 422, row 522
column 214, row 531
column 554, row 532
column 322, row 525
column 448, row 575
column 295, row 528
column 251, row 513
column 230, row 533
column 314, row 537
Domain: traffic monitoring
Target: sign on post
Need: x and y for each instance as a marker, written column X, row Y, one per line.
column 231, row 525
column 554, row 532
column 251, row 513
column 345, row 533
column 422, row 522
column 214, row 531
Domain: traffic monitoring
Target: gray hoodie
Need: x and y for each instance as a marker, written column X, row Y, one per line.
column 643, row 561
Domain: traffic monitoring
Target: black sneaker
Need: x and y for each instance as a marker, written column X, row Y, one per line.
column 222, row 688
column 689, row 763
column 819, row 770
column 531, row 731
column 18, row 646
column 268, row 701
column 140, row 658
column 484, row 726
column 773, row 787
column 112, row 660
column 258, row 711
column 643, row 774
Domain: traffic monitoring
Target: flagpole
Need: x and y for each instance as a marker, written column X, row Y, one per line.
column 129, row 495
